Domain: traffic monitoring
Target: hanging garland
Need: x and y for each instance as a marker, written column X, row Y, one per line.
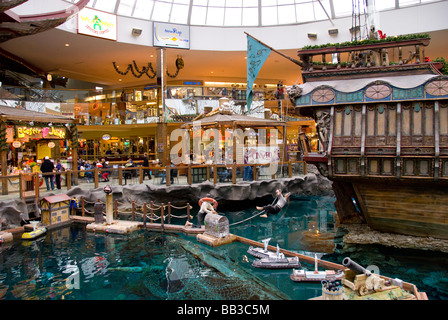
column 139, row 73
column 179, row 66
column 133, row 66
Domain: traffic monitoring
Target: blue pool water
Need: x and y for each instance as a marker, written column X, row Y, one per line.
column 73, row 264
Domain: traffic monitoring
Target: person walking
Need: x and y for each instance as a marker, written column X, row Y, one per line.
column 47, row 167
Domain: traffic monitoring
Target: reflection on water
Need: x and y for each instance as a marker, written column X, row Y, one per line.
column 71, row 263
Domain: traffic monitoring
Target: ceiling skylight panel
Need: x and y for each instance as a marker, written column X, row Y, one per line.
column 105, row 5
column 200, row 2
column 233, row 17
column 342, row 8
column 143, row 9
column 250, row 17
column 198, row 15
column 305, row 12
column 161, row 11
column 319, row 12
column 125, row 7
column 179, row 14
column 215, row 16
column 250, row 3
column 286, row 14
column 269, row 16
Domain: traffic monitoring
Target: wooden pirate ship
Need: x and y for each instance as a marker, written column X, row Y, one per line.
column 383, row 129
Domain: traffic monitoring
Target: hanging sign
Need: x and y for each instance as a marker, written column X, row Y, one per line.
column 171, row 35
column 106, row 136
column 97, row 24
column 40, row 132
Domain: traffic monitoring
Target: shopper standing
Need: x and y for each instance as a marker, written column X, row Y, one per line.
column 58, row 174
column 46, row 167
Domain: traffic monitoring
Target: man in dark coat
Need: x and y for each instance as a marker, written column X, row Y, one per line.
column 145, row 165
column 46, row 167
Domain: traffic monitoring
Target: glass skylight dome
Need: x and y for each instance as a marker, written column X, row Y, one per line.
column 238, row 13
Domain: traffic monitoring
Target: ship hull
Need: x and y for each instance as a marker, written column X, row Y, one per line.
column 410, row 209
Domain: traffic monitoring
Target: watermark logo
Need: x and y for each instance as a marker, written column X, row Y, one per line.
column 73, row 281
column 212, row 146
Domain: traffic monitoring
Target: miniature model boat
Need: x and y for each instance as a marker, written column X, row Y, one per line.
column 37, row 232
column 261, row 252
column 315, row 276
column 279, row 261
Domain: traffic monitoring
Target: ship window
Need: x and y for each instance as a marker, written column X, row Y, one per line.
column 387, row 166
column 381, row 122
column 357, row 124
column 409, row 167
column 424, row 167
column 353, row 166
column 338, row 124
column 445, row 168
column 348, row 122
column 373, row 166
column 443, row 120
column 371, row 122
column 392, row 122
column 406, row 122
column 340, row 166
column 417, row 121
column 429, row 120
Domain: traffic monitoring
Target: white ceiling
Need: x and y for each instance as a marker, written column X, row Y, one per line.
column 90, row 59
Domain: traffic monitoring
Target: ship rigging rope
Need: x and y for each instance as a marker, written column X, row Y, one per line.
column 256, row 215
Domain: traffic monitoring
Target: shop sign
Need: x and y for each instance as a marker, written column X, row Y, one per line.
column 171, row 35
column 51, row 145
column 106, row 136
column 40, row 132
column 97, row 24
column 17, row 144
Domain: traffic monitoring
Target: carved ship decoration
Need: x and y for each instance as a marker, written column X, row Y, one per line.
column 383, row 131
column 277, row 261
column 302, row 275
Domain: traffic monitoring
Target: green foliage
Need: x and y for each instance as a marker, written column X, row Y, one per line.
column 444, row 69
column 369, row 41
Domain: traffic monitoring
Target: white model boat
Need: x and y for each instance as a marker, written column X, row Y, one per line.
column 279, row 261
column 261, row 252
column 316, row 275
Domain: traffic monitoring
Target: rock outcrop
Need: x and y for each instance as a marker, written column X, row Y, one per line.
column 239, row 195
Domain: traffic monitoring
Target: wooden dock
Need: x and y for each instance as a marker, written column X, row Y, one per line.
column 150, row 226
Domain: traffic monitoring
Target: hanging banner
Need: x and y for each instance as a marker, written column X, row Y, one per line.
column 97, row 24
column 257, row 53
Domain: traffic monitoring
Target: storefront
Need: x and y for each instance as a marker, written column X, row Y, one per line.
column 121, row 142
column 29, row 136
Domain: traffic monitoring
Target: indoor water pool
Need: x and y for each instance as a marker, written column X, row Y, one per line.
column 74, row 264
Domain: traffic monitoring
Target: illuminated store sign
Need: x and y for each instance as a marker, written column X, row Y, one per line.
column 40, row 133
column 171, row 35
column 97, row 24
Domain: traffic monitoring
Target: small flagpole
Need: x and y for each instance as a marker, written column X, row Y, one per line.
column 282, row 54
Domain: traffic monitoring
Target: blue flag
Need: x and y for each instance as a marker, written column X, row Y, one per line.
column 257, row 53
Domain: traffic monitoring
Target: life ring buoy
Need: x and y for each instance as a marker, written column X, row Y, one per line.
column 215, row 203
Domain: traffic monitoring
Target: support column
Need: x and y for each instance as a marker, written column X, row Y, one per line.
column 161, row 83
column 4, row 157
column 162, row 132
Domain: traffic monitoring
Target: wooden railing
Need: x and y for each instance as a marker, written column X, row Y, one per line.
column 29, row 185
